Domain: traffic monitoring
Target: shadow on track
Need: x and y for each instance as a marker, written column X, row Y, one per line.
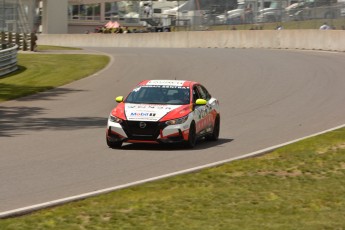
column 16, row 119
column 201, row 144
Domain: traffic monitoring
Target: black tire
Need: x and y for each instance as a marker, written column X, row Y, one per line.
column 114, row 144
column 329, row 15
column 214, row 136
column 191, row 137
column 271, row 18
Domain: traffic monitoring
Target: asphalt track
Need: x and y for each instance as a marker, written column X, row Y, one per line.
column 52, row 145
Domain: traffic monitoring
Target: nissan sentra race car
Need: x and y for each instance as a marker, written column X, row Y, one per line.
column 164, row 111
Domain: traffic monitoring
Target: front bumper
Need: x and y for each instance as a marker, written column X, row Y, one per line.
column 153, row 132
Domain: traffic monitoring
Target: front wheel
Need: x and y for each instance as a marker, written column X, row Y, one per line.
column 214, row 136
column 191, row 137
column 271, row 18
column 114, row 144
column 329, row 15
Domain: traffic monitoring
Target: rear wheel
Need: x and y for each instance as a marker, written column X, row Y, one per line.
column 114, row 144
column 214, row 136
column 271, row 18
column 329, row 15
column 191, row 137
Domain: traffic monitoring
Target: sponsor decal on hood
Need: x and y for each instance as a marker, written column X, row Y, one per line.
column 147, row 112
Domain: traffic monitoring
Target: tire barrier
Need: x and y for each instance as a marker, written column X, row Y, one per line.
column 25, row 41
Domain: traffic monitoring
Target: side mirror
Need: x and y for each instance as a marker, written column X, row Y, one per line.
column 201, row 102
column 119, row 99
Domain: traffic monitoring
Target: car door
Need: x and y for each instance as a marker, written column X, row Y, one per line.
column 210, row 110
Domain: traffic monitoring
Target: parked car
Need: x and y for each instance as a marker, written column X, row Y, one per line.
column 316, row 9
column 164, row 111
column 244, row 13
column 274, row 13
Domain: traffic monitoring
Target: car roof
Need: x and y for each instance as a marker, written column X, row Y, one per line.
column 177, row 83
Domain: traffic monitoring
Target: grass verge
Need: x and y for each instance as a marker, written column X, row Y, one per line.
column 299, row 186
column 40, row 72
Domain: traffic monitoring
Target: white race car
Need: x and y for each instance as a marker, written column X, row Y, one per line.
column 164, row 111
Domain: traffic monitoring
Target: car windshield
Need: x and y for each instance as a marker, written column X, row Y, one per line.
column 159, row 95
column 240, row 6
column 274, row 5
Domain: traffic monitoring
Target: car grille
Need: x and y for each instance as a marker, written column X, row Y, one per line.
column 135, row 131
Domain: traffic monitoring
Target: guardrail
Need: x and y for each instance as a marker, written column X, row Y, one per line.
column 8, row 59
column 332, row 40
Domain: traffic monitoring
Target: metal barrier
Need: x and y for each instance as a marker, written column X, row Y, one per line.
column 8, row 59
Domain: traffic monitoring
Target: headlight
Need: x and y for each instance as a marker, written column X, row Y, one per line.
column 177, row 121
column 115, row 119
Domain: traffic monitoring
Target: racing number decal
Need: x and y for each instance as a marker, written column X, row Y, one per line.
column 204, row 117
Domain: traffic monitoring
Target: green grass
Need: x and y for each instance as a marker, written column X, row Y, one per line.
column 40, row 72
column 300, row 186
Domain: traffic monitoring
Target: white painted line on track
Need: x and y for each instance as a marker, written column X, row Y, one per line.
column 28, row 209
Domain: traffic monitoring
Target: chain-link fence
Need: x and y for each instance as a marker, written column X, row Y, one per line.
column 20, row 16
column 250, row 14
column 275, row 14
column 164, row 15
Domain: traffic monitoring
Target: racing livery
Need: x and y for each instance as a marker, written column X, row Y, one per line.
column 164, row 111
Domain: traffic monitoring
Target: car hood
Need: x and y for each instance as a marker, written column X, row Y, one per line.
column 235, row 12
column 267, row 10
column 151, row 112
